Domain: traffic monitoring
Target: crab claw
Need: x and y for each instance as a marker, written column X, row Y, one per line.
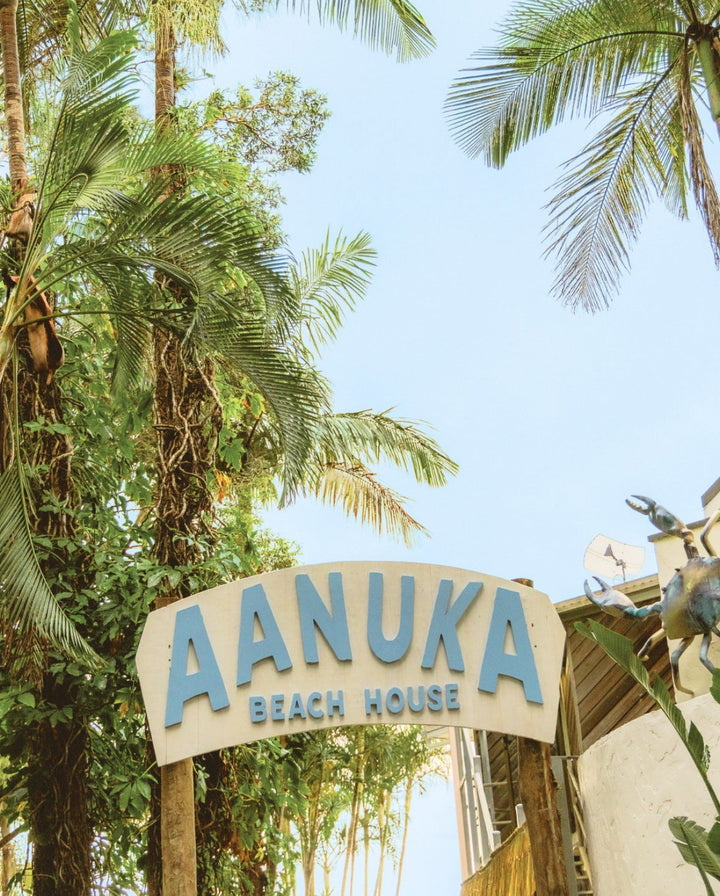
column 659, row 516
column 612, row 601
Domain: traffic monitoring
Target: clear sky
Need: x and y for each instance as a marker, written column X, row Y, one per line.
column 555, row 418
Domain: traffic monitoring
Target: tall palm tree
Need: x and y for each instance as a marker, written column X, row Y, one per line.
column 98, row 223
column 390, row 25
column 645, row 72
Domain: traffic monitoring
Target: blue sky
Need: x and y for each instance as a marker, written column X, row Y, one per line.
column 555, row 418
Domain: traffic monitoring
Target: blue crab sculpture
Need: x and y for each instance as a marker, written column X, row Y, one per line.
column 690, row 604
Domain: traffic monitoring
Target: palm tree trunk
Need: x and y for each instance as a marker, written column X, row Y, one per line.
column 14, row 116
column 187, row 421
column 710, row 64
column 383, row 827
column 406, row 827
column 351, row 847
column 15, row 129
column 9, row 863
column 57, row 796
column 58, row 767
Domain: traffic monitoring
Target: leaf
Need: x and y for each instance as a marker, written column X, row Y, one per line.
column 356, row 489
column 329, row 281
column 379, row 436
column 386, row 25
column 691, row 840
column 619, row 649
column 715, row 686
column 28, row 609
column 155, row 578
column 713, row 838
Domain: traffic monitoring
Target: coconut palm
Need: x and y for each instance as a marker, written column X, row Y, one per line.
column 391, row 25
column 645, row 72
column 93, row 224
column 327, row 282
column 98, row 223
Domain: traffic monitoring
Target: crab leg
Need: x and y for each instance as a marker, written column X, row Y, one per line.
column 706, row 531
column 675, row 659
column 650, row 643
column 704, row 647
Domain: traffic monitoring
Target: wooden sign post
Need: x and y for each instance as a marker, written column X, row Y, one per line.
column 538, row 793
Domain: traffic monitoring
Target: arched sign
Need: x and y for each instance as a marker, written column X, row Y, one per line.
column 349, row 644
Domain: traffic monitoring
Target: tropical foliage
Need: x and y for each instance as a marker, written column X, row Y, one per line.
column 644, row 73
column 158, row 378
column 697, row 846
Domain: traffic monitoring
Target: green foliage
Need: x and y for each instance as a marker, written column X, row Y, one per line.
column 327, row 283
column 692, row 841
column 636, row 70
column 122, row 245
column 33, row 616
column 391, row 26
column 275, row 128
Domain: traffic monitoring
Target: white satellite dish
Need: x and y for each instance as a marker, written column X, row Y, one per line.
column 610, row 558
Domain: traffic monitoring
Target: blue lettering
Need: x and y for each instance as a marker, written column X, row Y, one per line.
column 508, row 614
column 314, row 614
column 258, row 709
column 190, row 630
column 255, row 606
column 390, row 650
column 444, row 623
column 395, row 700
column 373, row 703
column 276, row 707
column 335, row 703
column 312, row 705
column 451, row 696
column 296, row 707
column 435, row 698
column 417, row 707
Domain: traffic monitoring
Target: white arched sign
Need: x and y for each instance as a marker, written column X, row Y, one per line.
column 349, row 644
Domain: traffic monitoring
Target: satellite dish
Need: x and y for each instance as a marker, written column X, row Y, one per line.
column 607, row 557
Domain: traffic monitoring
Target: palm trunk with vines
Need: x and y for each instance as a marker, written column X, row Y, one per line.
column 188, row 418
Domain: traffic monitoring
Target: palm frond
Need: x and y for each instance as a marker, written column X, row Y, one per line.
column 32, row 617
column 128, row 295
column 391, row 26
column 556, row 59
column 704, row 189
column 602, row 198
column 295, row 396
column 43, row 25
column 354, row 488
column 692, row 841
column 379, row 436
column 329, row 281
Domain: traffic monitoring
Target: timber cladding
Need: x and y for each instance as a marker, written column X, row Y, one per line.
column 510, row 871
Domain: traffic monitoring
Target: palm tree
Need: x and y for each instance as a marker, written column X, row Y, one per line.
column 644, row 72
column 390, row 25
column 97, row 222
column 327, row 283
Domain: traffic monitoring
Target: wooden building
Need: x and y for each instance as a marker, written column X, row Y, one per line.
column 596, row 698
